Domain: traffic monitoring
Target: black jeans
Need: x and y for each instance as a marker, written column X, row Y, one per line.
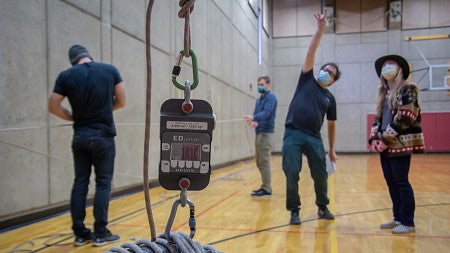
column 396, row 171
column 92, row 148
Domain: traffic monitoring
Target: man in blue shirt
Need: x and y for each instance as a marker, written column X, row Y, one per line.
column 263, row 120
column 311, row 102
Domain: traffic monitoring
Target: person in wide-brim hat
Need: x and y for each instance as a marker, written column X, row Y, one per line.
column 396, row 134
column 402, row 63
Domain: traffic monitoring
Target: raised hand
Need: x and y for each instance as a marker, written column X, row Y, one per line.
column 321, row 19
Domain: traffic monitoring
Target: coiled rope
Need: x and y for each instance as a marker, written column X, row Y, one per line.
column 178, row 242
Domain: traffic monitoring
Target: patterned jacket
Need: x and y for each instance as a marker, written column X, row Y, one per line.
column 403, row 136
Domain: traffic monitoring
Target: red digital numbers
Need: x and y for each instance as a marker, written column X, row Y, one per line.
column 190, row 152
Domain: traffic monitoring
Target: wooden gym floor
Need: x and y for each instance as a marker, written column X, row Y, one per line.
column 231, row 221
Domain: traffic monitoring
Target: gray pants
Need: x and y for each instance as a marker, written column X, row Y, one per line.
column 263, row 151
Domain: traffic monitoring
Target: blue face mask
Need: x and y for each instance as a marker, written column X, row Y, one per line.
column 323, row 78
column 261, row 89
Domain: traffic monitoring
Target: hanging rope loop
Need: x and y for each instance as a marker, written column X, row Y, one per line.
column 177, row 69
column 187, row 6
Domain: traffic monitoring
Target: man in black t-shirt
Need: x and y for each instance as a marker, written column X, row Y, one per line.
column 94, row 91
column 311, row 102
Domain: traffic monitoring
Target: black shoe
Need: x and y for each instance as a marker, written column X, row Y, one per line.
column 261, row 193
column 107, row 238
column 295, row 218
column 325, row 214
column 82, row 240
column 256, row 190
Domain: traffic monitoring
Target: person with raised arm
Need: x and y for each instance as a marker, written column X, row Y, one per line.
column 311, row 102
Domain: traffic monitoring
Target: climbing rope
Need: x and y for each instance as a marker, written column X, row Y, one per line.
column 187, row 6
column 177, row 242
column 148, row 111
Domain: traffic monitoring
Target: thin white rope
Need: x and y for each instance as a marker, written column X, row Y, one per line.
column 63, row 125
column 117, row 124
column 36, row 152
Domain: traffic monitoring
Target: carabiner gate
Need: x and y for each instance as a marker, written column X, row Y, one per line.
column 177, row 69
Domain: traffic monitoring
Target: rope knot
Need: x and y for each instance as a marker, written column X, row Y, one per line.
column 185, row 6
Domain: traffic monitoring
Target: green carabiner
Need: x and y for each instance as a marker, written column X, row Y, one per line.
column 194, row 71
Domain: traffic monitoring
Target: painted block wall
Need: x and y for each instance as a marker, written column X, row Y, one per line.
column 36, row 161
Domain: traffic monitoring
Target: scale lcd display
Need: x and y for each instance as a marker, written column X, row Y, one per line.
column 185, row 152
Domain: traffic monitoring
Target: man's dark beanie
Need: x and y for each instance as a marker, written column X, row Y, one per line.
column 76, row 52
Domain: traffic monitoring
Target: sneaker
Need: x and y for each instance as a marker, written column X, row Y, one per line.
column 402, row 229
column 295, row 218
column 256, row 190
column 261, row 193
column 391, row 224
column 103, row 240
column 82, row 240
column 325, row 214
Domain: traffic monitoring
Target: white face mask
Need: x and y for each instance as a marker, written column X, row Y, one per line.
column 389, row 71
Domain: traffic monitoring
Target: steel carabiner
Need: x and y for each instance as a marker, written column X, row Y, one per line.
column 184, row 184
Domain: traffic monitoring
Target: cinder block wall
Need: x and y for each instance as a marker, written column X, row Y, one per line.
column 36, row 160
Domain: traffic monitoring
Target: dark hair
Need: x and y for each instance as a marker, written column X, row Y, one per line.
column 266, row 78
column 338, row 72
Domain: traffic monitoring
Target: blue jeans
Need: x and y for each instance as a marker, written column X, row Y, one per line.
column 395, row 171
column 296, row 143
column 92, row 148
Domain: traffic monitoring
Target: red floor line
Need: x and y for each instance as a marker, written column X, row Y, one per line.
column 296, row 232
column 326, row 232
column 209, row 208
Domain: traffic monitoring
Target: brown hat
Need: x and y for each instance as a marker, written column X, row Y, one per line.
column 402, row 63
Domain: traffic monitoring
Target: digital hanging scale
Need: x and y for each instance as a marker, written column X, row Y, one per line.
column 186, row 135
